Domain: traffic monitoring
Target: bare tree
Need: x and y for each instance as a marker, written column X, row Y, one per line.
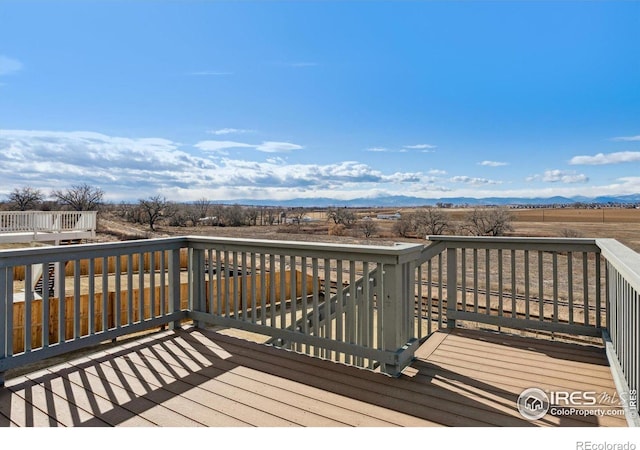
column 342, row 216
column 489, row 222
column 26, row 198
column 235, row 216
column 431, row 221
column 405, row 226
column 153, row 210
column 201, row 207
column 82, row 197
column 367, row 227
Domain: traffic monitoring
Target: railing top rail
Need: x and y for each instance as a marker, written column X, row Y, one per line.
column 44, row 213
column 623, row 259
column 34, row 255
column 518, row 243
column 398, row 254
column 401, row 251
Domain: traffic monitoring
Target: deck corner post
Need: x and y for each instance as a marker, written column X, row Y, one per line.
column 452, row 286
column 398, row 305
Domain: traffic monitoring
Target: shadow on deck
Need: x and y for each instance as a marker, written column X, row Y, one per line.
column 196, row 377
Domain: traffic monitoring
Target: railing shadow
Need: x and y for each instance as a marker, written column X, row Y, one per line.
column 122, row 385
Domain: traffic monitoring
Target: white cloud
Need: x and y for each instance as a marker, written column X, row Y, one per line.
column 626, row 138
column 220, row 146
column 493, row 163
column 606, row 158
column 378, row 149
column 560, row 176
column 9, row 65
column 473, row 181
column 420, row 146
column 266, row 147
column 277, row 147
column 437, row 172
column 223, row 131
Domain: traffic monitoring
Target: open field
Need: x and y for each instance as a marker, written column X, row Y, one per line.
column 616, row 223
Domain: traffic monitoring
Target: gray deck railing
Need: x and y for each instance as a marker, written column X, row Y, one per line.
column 368, row 306
column 579, row 287
column 347, row 303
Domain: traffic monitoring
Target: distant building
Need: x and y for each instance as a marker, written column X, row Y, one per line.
column 395, row 216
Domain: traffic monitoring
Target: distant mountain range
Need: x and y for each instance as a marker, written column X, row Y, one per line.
column 408, row 201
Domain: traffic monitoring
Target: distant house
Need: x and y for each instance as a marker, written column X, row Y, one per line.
column 395, row 216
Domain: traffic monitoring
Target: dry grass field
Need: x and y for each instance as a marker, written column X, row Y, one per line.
column 616, row 223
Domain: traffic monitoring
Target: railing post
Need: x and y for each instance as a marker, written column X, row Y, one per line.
column 392, row 306
column 196, row 282
column 452, row 285
column 398, row 288
column 174, row 285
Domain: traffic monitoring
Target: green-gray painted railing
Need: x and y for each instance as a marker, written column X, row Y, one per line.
column 585, row 287
column 341, row 302
column 368, row 306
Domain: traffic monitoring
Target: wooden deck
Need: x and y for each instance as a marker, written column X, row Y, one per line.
column 196, row 377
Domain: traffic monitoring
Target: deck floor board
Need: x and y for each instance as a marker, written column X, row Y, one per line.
column 194, row 377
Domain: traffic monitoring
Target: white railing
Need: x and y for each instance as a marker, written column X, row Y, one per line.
column 47, row 221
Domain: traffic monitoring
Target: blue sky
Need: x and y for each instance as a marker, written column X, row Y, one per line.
column 299, row 99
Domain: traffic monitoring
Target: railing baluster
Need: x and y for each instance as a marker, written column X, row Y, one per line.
column 272, row 286
column 129, row 289
column 91, row 300
column 315, row 324
column 62, row 301
column 570, row 284
column 263, row 289
column 527, row 280
column 46, row 313
column 254, row 289
column 28, row 299
column 152, row 284
column 500, row 280
column 555, row 286
column 327, row 304
column 463, row 280
column 141, row 284
column 514, row 287
column 163, row 283
column 487, row 281
column 418, row 302
column 236, row 286
column 219, row 268
column 283, row 291
column 76, row 299
column 244, row 291
column 540, row 286
column 440, row 298
column 294, row 294
column 598, row 293
column 475, row 280
column 105, row 293
column 429, row 296
column 304, row 294
column 585, row 281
